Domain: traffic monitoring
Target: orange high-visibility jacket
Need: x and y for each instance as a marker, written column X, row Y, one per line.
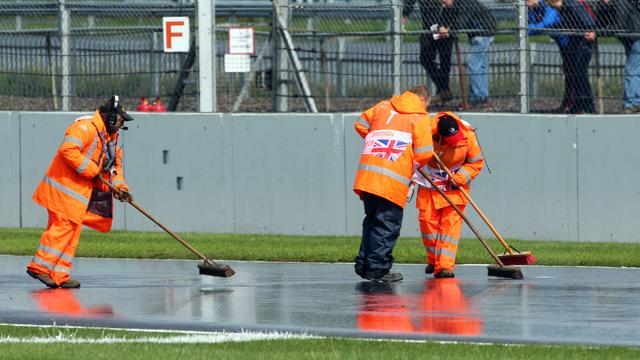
column 464, row 159
column 68, row 183
column 397, row 132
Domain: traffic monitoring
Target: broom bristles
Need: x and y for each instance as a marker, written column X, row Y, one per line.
column 521, row 258
column 214, row 269
column 508, row 272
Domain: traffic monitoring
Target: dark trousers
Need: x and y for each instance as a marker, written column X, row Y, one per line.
column 380, row 230
column 429, row 50
column 578, row 97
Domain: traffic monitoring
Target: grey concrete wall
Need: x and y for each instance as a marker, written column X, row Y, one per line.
column 9, row 170
column 552, row 177
column 608, row 181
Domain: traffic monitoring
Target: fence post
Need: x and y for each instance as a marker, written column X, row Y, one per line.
column 522, row 58
column 207, row 56
column 52, row 70
column 533, row 65
column 341, row 81
column 280, row 97
column 153, row 64
column 397, row 45
column 65, row 24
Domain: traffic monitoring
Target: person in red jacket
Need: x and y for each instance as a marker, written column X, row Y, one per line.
column 456, row 145
column 397, row 133
column 73, row 193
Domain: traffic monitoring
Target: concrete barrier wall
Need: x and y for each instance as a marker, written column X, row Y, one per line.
column 552, row 177
column 9, row 170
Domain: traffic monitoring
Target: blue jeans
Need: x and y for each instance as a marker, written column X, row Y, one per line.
column 632, row 77
column 478, row 68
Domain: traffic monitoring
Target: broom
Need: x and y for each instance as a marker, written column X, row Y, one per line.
column 208, row 267
column 500, row 269
column 509, row 257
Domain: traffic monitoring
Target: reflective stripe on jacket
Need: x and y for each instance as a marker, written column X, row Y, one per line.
column 464, row 159
column 67, row 185
column 397, row 132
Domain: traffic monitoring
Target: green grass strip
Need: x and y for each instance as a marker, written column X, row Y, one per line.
column 158, row 245
column 324, row 348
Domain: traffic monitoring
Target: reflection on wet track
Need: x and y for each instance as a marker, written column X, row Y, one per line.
column 551, row 305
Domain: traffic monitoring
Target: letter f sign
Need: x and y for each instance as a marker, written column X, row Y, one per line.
column 175, row 31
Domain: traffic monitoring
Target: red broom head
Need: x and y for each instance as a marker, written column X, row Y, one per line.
column 521, row 258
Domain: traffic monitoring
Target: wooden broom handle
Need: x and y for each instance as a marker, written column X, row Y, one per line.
column 475, row 206
column 174, row 235
column 466, row 220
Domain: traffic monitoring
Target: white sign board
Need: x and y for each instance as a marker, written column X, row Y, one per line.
column 237, row 63
column 175, row 33
column 241, row 40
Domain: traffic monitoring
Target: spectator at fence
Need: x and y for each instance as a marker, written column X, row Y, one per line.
column 397, row 133
column 542, row 16
column 435, row 44
column 472, row 17
column 617, row 17
column 73, row 194
column 455, row 142
column 576, row 17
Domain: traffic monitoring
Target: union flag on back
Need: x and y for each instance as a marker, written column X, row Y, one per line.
column 388, row 149
column 386, row 144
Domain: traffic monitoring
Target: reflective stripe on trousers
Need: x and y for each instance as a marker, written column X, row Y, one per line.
column 57, row 249
column 440, row 230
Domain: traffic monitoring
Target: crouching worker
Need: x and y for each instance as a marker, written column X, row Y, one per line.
column 397, row 132
column 456, row 144
column 73, row 193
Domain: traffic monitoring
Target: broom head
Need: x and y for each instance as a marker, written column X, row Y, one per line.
column 518, row 258
column 509, row 272
column 213, row 269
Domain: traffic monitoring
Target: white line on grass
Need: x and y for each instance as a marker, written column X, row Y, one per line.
column 212, row 338
column 55, row 335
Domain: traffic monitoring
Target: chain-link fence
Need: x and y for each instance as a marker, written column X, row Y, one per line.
column 475, row 54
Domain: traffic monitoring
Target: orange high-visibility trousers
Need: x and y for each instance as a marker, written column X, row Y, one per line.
column 57, row 249
column 440, row 230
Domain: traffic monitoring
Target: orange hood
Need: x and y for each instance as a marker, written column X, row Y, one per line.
column 408, row 103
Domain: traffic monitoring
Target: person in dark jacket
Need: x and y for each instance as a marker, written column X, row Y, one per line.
column 575, row 17
column 435, row 44
column 472, row 17
column 621, row 18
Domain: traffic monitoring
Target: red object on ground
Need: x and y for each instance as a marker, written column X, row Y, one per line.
column 158, row 106
column 144, row 105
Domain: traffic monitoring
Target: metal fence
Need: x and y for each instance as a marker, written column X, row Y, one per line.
column 352, row 53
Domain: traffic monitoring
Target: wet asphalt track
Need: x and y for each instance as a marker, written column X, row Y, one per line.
column 551, row 305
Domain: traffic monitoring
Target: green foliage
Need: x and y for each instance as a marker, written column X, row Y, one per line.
column 156, row 245
column 325, row 348
column 25, row 83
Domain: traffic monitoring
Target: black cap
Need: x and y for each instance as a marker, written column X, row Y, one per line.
column 447, row 126
column 108, row 106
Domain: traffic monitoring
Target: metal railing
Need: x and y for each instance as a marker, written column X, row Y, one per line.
column 352, row 54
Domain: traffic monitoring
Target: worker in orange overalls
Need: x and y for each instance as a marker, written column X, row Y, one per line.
column 73, row 194
column 456, row 144
column 397, row 133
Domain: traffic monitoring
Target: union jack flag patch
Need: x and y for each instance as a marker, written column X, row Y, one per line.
column 386, row 144
column 388, row 149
